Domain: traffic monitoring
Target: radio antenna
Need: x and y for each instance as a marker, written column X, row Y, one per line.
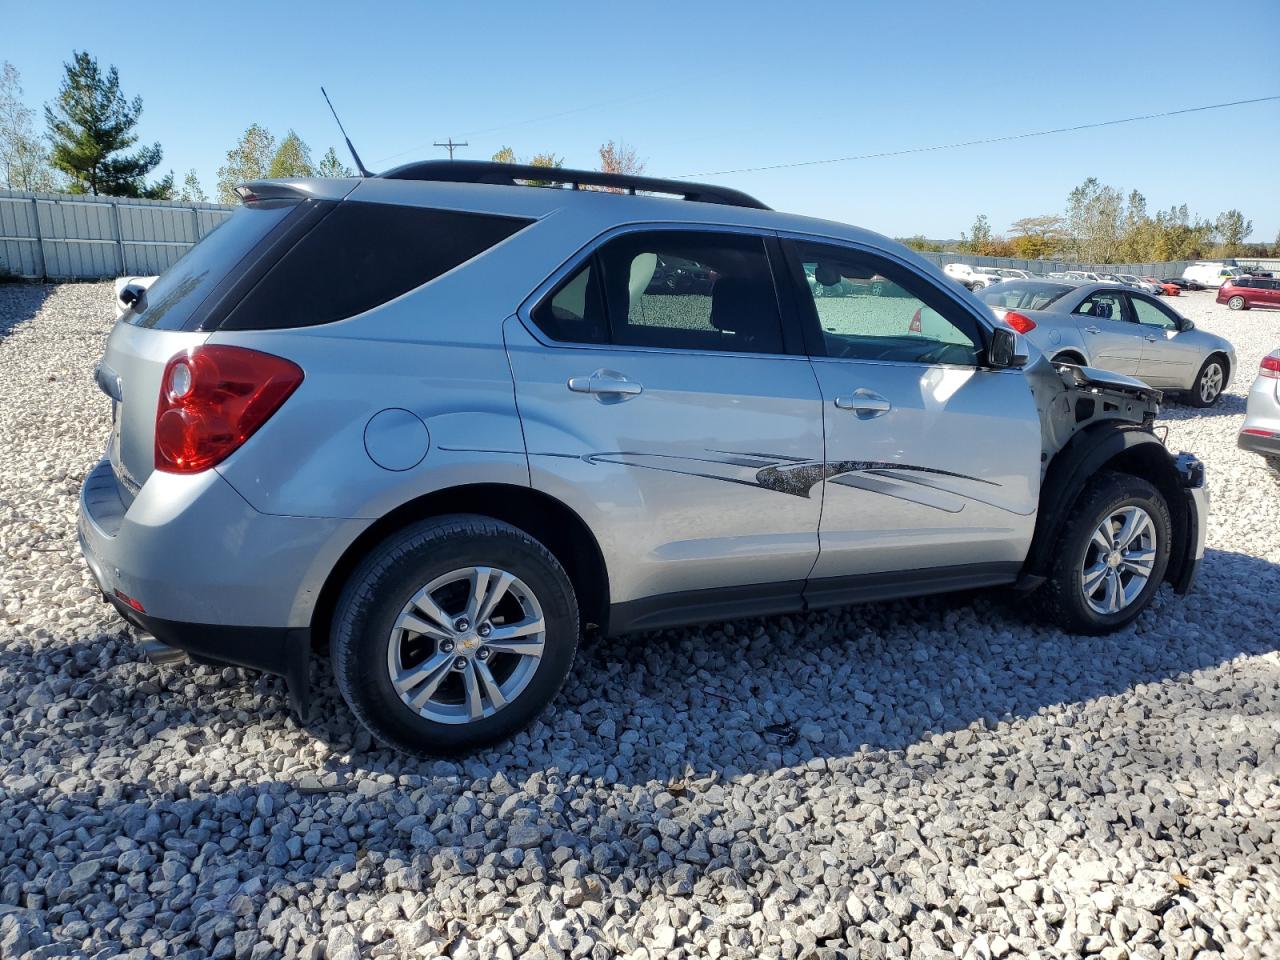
column 354, row 156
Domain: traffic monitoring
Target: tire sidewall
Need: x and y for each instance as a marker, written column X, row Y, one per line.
column 377, row 594
column 1123, row 491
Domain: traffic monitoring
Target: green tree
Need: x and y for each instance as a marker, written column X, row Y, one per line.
column 24, row 161
column 979, row 239
column 331, row 166
column 249, row 159
column 1232, row 228
column 91, row 127
column 921, row 243
column 162, row 189
column 1094, row 221
column 292, row 159
column 1036, row 238
column 192, row 191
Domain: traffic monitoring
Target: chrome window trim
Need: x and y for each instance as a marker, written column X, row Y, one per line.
column 524, row 312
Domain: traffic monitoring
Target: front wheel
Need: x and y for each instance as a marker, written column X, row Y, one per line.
column 1110, row 556
column 454, row 634
column 1236, row 303
column 1209, row 383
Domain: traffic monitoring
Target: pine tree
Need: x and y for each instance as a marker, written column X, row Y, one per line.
column 293, row 159
column 248, row 160
column 91, row 127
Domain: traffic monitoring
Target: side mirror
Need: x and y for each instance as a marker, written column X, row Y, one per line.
column 131, row 294
column 1005, row 351
column 1184, row 324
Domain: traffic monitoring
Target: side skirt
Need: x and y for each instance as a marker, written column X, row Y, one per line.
column 794, row 596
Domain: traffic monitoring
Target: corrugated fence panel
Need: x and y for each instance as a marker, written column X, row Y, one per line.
column 61, row 236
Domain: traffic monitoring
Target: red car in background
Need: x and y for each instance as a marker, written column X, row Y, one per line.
column 1166, row 288
column 1241, row 293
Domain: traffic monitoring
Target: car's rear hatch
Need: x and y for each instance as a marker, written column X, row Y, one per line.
column 178, row 312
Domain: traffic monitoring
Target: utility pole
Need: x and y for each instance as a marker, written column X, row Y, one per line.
column 451, row 146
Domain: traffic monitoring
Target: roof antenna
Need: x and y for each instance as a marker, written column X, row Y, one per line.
column 354, row 156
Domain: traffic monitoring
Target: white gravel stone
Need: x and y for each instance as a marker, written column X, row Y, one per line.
column 941, row 777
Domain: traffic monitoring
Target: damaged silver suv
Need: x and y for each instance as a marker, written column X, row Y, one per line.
column 443, row 421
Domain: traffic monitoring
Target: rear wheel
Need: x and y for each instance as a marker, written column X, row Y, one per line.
column 454, row 634
column 1236, row 303
column 1209, row 383
column 1110, row 556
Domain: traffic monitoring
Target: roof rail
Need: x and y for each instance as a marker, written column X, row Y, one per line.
column 509, row 174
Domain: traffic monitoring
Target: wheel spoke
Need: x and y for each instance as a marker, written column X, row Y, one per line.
column 1103, row 538
column 1093, row 578
column 491, row 688
column 1140, row 561
column 475, row 703
column 1135, row 523
column 424, row 627
column 508, row 638
column 425, row 604
column 424, row 679
column 1111, row 599
column 495, row 590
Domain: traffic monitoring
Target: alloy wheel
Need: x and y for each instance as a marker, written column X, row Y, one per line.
column 466, row 645
column 1211, row 382
column 1118, row 560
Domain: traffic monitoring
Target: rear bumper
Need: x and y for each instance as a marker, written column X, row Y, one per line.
column 1265, row 446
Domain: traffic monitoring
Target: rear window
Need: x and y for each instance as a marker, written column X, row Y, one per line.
column 1024, row 294
column 362, row 255
column 181, row 289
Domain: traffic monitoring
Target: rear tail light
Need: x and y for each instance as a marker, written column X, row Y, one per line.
column 1270, row 367
column 212, row 399
column 1019, row 322
column 915, row 327
column 128, row 600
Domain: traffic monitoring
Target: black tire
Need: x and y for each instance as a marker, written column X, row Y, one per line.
column 1061, row 599
column 1237, row 303
column 380, row 587
column 1201, row 393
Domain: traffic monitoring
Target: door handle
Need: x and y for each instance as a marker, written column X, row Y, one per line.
column 1092, row 330
column 865, row 403
column 1151, row 338
column 609, row 386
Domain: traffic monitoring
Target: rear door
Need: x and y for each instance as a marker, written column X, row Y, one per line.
column 932, row 461
column 1107, row 327
column 677, row 419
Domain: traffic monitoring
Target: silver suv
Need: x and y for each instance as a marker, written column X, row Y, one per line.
column 443, row 421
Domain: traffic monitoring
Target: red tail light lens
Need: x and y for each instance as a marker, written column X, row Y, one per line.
column 1019, row 322
column 212, row 399
column 1270, row 367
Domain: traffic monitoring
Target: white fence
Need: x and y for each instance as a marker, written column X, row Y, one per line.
column 69, row 237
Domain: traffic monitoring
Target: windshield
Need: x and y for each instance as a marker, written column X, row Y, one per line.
column 1024, row 294
column 174, row 297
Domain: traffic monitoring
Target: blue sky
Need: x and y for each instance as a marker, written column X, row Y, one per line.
column 713, row 86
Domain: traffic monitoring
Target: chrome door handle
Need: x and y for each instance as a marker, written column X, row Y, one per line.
column 1151, row 338
column 865, row 403
column 607, row 385
column 1092, row 330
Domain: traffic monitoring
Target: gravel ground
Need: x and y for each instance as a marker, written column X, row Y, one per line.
column 931, row 778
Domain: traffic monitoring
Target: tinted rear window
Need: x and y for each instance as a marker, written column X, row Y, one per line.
column 1025, row 294
column 181, row 289
column 362, row 255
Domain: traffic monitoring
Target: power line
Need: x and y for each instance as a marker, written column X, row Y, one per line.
column 450, row 145
column 975, row 143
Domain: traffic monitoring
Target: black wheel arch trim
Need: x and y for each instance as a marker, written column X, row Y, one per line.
column 1127, row 449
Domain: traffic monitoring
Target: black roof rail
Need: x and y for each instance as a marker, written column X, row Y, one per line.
column 509, row 174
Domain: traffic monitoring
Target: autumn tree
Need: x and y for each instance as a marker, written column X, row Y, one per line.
column 1036, row 238
column 249, row 159
column 91, row 126
column 619, row 157
column 24, row 161
column 505, row 155
column 291, row 159
column 1232, row 228
column 1095, row 221
column 192, row 191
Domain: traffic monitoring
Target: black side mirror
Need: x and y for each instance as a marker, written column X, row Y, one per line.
column 131, row 294
column 1003, row 351
column 1184, row 324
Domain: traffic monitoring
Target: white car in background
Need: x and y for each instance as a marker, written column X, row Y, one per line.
column 1212, row 273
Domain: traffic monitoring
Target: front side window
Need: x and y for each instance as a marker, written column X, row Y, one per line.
column 869, row 308
column 670, row 289
column 1103, row 305
column 1150, row 315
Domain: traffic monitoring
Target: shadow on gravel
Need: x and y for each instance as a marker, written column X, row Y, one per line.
column 1228, row 405
column 20, row 302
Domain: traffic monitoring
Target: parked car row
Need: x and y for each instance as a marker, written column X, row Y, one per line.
column 1241, row 293
column 1260, row 432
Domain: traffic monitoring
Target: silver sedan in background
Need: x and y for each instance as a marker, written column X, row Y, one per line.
column 1118, row 329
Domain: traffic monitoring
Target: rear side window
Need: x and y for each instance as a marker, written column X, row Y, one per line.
column 174, row 298
column 362, row 255
column 672, row 289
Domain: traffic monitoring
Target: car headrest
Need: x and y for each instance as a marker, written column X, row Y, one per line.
column 1101, row 309
column 745, row 307
column 826, row 275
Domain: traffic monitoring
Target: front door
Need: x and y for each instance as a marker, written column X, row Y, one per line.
column 1168, row 360
column 1109, row 332
column 932, row 461
column 675, row 419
